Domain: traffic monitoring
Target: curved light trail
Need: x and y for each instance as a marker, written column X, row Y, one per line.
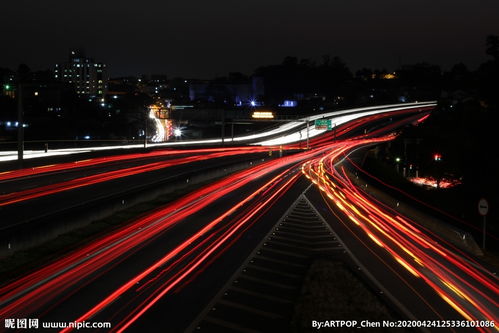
column 10, row 198
column 467, row 287
column 33, row 292
column 280, row 130
column 470, row 289
column 12, row 174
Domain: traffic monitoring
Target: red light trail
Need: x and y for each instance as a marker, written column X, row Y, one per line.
column 6, row 175
column 34, row 291
column 462, row 283
column 10, row 198
column 468, row 288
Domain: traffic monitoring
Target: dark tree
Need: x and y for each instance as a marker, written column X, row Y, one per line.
column 493, row 46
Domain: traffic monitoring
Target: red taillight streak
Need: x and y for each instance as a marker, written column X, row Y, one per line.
column 104, row 160
column 206, row 255
column 168, row 257
column 11, row 198
column 48, row 282
column 355, row 197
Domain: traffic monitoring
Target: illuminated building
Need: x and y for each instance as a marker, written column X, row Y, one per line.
column 89, row 78
column 237, row 91
column 8, row 90
column 7, row 83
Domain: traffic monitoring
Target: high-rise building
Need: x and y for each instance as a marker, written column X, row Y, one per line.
column 88, row 77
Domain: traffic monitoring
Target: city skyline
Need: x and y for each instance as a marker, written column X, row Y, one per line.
column 207, row 40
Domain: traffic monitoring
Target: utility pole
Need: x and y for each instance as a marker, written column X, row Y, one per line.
column 145, row 129
column 223, row 128
column 308, row 128
column 20, row 125
column 483, row 209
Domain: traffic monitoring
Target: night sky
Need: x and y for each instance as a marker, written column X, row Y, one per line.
column 200, row 38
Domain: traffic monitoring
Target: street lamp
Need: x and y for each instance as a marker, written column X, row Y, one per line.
column 397, row 160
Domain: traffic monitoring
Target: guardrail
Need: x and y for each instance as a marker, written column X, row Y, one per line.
column 61, row 144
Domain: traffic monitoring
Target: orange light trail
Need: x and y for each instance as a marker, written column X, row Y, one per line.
column 469, row 289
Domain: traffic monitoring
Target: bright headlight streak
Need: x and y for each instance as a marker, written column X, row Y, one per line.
column 337, row 119
column 12, row 155
column 160, row 130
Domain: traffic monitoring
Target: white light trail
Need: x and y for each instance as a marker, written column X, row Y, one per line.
column 338, row 117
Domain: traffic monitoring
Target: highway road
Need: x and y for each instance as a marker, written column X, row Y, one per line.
column 158, row 272
column 35, row 200
column 73, row 194
column 211, row 229
column 464, row 284
column 284, row 133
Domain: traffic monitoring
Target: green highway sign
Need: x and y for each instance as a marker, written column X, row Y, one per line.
column 323, row 124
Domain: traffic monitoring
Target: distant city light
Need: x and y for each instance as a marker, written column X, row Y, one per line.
column 397, row 159
column 289, row 104
column 253, row 103
column 115, row 96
